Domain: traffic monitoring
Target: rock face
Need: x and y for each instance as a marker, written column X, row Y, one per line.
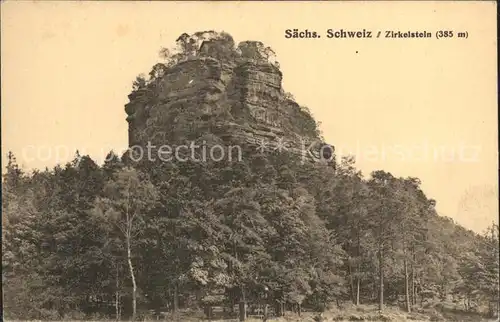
column 238, row 100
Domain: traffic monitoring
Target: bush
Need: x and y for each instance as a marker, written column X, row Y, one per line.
column 74, row 315
column 50, row 315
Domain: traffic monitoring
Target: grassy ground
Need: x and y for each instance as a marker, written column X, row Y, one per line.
column 350, row 313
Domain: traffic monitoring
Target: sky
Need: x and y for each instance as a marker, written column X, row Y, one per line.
column 424, row 108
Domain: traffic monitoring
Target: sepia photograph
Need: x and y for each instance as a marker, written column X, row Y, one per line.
column 287, row 161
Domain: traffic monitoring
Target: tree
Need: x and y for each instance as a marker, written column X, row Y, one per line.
column 487, row 272
column 253, row 50
column 383, row 215
column 157, row 72
column 139, row 83
column 19, row 244
column 126, row 201
column 351, row 210
column 408, row 225
column 245, row 247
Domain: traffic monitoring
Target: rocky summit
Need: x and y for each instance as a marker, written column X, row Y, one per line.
column 208, row 89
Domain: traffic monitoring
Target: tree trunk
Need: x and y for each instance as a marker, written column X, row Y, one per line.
column 381, row 277
column 242, row 311
column 175, row 299
column 351, row 284
column 357, row 290
column 407, row 287
column 243, row 308
column 299, row 308
column 413, row 286
column 358, row 279
column 132, row 276
column 117, row 296
column 413, row 293
column 209, row 312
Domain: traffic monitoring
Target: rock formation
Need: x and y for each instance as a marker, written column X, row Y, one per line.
column 217, row 92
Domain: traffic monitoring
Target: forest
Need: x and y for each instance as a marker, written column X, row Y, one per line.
column 145, row 239
column 125, row 238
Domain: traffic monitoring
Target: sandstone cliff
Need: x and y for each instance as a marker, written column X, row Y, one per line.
column 218, row 92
